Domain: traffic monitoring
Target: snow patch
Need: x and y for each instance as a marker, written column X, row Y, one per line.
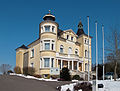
column 32, row 77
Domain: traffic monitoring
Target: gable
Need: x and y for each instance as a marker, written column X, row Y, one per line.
column 70, row 31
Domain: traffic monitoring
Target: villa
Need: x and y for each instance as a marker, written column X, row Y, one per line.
column 55, row 49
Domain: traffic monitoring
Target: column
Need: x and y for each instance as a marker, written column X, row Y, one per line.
column 68, row 64
column 50, row 63
column 61, row 63
column 77, row 65
column 72, row 65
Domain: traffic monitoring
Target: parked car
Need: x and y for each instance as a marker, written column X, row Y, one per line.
column 108, row 75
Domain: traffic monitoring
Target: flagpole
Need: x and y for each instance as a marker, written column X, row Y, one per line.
column 88, row 50
column 103, row 49
column 96, row 58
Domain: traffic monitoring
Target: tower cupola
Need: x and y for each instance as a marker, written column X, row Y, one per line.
column 49, row 16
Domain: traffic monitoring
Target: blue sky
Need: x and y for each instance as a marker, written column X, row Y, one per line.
column 19, row 21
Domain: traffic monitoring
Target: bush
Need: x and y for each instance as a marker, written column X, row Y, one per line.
column 85, row 86
column 29, row 71
column 76, row 77
column 17, row 70
column 55, row 76
column 64, row 74
column 38, row 76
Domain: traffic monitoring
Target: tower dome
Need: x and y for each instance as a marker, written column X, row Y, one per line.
column 49, row 16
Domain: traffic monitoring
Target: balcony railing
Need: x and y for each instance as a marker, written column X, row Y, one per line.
column 67, row 55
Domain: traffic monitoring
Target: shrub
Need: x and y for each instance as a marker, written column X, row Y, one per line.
column 55, row 76
column 85, row 86
column 17, row 70
column 76, row 77
column 38, row 76
column 64, row 74
column 29, row 71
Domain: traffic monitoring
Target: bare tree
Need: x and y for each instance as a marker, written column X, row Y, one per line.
column 4, row 68
column 113, row 49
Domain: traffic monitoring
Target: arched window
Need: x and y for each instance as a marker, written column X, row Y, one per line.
column 76, row 51
column 70, row 50
column 61, row 48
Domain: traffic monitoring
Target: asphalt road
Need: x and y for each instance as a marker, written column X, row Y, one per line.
column 15, row 83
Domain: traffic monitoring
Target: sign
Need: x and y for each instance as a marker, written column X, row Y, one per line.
column 54, row 71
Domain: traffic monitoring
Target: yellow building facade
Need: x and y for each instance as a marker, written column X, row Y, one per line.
column 55, row 49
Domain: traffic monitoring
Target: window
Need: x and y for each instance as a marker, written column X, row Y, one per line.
column 52, row 45
column 67, row 36
column 32, row 53
column 47, row 28
column 85, row 66
column 76, row 51
column 46, row 62
column 70, row 50
column 47, row 44
column 52, row 62
column 86, row 41
column 72, row 38
column 86, row 53
column 53, row 29
column 61, row 49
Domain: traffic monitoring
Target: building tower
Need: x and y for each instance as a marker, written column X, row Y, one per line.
column 48, row 37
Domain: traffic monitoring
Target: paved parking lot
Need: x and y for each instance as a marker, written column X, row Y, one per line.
column 15, row 83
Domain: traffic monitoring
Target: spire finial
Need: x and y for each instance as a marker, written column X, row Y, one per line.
column 49, row 11
column 80, row 18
